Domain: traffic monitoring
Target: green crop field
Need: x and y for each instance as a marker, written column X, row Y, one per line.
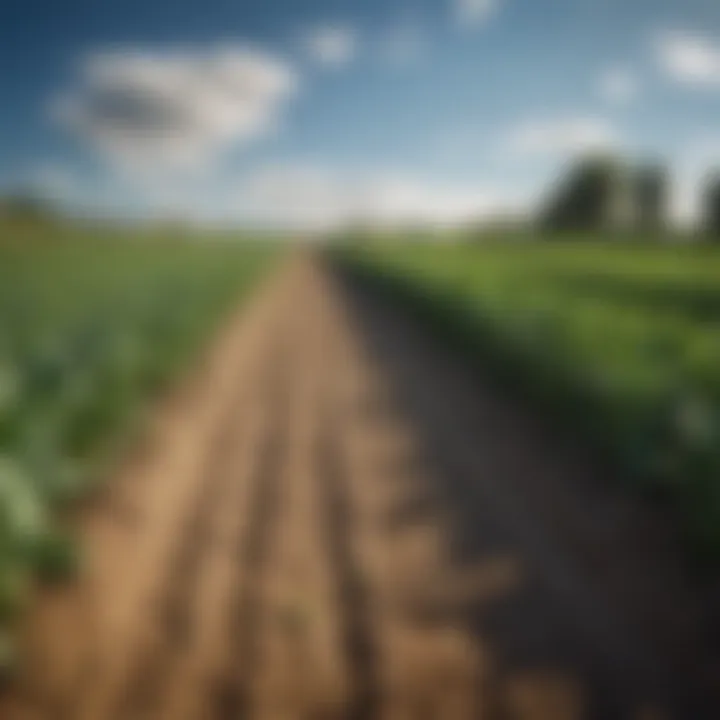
column 620, row 343
column 92, row 326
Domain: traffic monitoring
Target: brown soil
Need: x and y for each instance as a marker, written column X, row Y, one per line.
column 338, row 520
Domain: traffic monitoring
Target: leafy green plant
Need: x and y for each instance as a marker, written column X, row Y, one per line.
column 92, row 328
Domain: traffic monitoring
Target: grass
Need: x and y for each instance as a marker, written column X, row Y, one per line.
column 617, row 342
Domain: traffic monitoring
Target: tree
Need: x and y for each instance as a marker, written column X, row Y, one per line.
column 711, row 206
column 590, row 198
column 651, row 197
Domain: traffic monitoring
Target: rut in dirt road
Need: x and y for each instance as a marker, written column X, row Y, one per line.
column 337, row 520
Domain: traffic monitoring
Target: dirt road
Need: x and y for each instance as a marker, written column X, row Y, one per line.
column 337, row 520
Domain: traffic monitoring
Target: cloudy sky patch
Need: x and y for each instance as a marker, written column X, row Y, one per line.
column 191, row 103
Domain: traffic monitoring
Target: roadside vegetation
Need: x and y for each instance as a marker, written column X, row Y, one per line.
column 93, row 326
column 619, row 343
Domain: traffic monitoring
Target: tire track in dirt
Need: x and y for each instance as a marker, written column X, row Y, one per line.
column 424, row 665
column 357, row 639
column 191, row 682
column 230, row 691
column 355, row 634
column 177, row 610
column 303, row 670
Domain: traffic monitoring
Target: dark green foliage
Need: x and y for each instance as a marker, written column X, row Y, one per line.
column 26, row 207
column 55, row 556
column 711, row 207
column 651, row 197
column 587, row 198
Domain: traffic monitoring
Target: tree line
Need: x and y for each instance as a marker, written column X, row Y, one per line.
column 602, row 193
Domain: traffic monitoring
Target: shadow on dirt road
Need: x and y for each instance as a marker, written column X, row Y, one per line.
column 574, row 593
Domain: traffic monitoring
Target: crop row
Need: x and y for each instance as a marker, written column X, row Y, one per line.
column 90, row 331
column 620, row 345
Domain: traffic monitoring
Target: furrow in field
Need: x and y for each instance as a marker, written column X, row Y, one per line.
column 356, row 641
column 421, row 663
column 179, row 611
column 301, row 669
column 190, row 681
column 231, row 689
column 354, row 636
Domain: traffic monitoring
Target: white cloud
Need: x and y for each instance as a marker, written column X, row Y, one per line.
column 331, row 45
column 618, row 86
column 473, row 13
column 406, row 199
column 562, row 136
column 689, row 58
column 293, row 196
column 160, row 111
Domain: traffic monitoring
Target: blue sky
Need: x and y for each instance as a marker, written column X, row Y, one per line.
column 313, row 111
